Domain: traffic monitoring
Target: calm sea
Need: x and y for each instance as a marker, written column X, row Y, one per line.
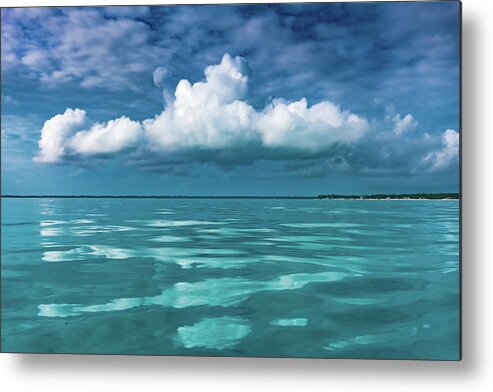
column 231, row 277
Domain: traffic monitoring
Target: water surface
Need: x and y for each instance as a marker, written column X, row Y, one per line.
column 232, row 277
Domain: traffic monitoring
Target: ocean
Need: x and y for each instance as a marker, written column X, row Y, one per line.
column 231, row 277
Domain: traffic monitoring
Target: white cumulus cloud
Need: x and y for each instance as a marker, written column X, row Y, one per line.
column 55, row 133
column 64, row 135
column 295, row 125
column 106, row 138
column 207, row 115
column 441, row 159
column 213, row 115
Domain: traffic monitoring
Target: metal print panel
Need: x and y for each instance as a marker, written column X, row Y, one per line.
column 268, row 180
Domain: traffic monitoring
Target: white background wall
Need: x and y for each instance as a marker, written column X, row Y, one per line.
column 474, row 373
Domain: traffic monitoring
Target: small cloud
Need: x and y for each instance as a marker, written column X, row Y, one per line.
column 162, row 79
column 441, row 159
column 159, row 76
column 400, row 125
column 405, row 124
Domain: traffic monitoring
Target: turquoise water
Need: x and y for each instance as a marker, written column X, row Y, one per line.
column 231, row 277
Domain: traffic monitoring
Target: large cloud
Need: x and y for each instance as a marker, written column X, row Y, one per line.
column 56, row 132
column 112, row 137
column 210, row 116
column 63, row 135
column 297, row 126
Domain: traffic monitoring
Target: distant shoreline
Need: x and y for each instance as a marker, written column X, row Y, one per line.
column 401, row 196
column 410, row 196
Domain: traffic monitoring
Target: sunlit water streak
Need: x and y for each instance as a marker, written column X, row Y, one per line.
column 303, row 278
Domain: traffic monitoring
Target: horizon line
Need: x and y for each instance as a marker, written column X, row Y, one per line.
column 7, row 196
column 160, row 196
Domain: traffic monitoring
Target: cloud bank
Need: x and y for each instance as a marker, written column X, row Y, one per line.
column 212, row 120
column 210, row 115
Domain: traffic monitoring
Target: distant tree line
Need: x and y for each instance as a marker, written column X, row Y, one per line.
column 413, row 196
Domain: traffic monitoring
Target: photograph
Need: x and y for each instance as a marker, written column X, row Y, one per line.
column 273, row 180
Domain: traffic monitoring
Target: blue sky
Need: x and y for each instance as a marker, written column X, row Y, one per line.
column 293, row 99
